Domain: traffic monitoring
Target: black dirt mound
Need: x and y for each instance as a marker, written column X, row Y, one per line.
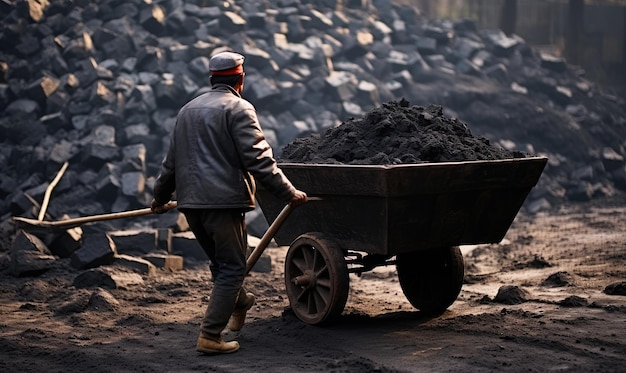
column 510, row 294
column 395, row 133
column 618, row 288
column 558, row 279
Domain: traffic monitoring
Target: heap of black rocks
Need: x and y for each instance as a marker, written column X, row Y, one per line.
column 97, row 84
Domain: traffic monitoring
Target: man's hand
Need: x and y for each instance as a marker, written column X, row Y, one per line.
column 298, row 199
column 157, row 208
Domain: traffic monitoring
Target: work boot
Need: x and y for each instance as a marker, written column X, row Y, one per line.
column 238, row 317
column 217, row 345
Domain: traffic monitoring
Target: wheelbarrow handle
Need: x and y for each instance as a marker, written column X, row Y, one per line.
column 271, row 231
column 267, row 237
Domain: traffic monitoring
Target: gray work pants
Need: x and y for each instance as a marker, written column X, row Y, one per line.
column 222, row 235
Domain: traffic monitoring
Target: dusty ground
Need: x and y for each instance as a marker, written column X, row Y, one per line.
column 563, row 259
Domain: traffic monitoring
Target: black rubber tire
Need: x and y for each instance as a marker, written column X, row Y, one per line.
column 431, row 280
column 316, row 279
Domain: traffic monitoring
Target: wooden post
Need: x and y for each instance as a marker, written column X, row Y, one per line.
column 424, row 7
column 624, row 40
column 508, row 17
column 574, row 40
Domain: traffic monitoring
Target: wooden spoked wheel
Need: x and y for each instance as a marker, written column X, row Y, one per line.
column 316, row 279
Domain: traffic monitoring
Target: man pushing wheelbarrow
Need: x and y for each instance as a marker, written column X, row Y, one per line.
column 217, row 151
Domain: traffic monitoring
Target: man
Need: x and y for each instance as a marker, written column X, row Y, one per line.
column 216, row 152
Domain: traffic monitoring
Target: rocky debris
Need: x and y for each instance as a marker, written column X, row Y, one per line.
column 558, row 279
column 166, row 262
column 98, row 84
column 185, row 245
column 574, row 301
column 535, row 205
column 29, row 255
column 102, row 300
column 107, row 277
column 143, row 251
column 75, row 302
column 134, row 241
column 618, row 288
column 164, row 239
column 97, row 250
column 64, row 244
column 138, row 265
column 511, row 294
column 538, row 262
column 36, row 290
column 102, row 89
column 395, row 133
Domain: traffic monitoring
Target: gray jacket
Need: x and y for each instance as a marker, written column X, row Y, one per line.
column 216, row 152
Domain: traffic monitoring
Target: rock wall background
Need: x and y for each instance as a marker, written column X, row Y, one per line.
column 97, row 84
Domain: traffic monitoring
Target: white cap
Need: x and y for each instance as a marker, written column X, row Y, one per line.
column 226, row 63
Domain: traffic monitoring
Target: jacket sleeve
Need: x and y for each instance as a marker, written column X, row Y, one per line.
column 165, row 183
column 256, row 155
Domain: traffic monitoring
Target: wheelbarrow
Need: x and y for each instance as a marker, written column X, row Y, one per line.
column 413, row 216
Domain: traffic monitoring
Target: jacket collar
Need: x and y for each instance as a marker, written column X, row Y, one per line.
column 223, row 88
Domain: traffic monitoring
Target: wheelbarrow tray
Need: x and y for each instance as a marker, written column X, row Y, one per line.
column 392, row 209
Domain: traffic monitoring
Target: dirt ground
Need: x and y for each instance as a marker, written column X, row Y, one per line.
column 560, row 261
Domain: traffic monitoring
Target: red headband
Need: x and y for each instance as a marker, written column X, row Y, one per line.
column 234, row 71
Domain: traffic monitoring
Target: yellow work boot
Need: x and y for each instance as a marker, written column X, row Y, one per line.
column 216, row 345
column 238, row 317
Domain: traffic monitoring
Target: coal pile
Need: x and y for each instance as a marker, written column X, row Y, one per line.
column 396, row 133
column 97, row 84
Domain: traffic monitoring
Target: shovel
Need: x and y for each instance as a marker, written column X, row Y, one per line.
column 31, row 225
column 60, row 225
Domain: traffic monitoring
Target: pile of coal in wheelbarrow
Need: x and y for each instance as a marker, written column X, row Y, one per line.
column 395, row 133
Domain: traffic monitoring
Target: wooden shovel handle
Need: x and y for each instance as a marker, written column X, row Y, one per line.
column 75, row 222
